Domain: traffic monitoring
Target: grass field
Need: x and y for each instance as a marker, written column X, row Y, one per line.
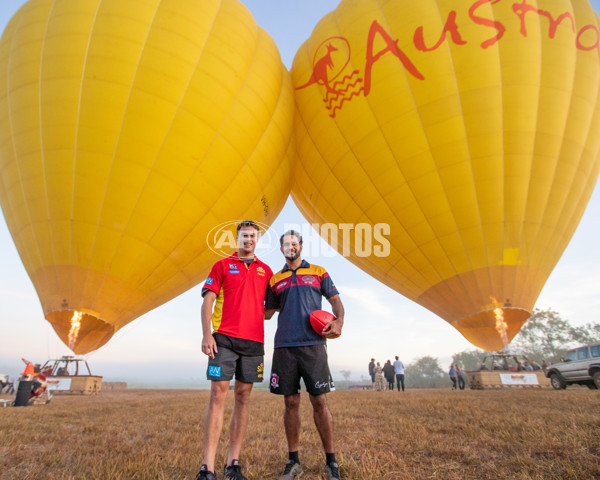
column 420, row 434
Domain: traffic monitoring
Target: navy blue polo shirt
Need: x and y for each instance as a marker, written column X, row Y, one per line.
column 298, row 293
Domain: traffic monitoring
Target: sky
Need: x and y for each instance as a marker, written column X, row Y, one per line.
column 162, row 347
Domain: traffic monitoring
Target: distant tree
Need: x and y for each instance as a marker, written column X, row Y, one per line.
column 425, row 372
column 588, row 333
column 346, row 374
column 469, row 359
column 546, row 335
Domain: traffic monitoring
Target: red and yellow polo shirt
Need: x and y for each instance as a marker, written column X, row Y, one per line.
column 239, row 311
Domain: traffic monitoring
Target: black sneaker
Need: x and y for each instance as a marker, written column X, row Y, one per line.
column 292, row 471
column 332, row 470
column 234, row 471
column 205, row 474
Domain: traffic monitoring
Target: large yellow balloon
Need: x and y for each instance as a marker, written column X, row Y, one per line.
column 470, row 127
column 128, row 130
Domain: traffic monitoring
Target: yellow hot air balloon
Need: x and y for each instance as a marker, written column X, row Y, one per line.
column 129, row 129
column 465, row 134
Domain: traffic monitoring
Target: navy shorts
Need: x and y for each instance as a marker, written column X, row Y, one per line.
column 227, row 363
column 290, row 364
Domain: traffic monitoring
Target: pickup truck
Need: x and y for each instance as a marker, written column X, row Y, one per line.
column 581, row 366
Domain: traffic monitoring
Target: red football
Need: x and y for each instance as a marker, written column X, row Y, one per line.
column 320, row 318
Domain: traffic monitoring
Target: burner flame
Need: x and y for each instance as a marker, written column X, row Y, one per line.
column 501, row 325
column 75, row 326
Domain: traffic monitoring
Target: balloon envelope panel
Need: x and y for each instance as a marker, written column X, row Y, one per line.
column 128, row 131
column 469, row 128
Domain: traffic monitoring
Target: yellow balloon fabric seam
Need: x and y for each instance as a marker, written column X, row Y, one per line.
column 192, row 74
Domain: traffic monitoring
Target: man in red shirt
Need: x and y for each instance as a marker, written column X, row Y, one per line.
column 235, row 346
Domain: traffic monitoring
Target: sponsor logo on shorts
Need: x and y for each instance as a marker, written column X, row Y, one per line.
column 274, row 380
column 319, row 385
column 260, row 369
column 214, row 371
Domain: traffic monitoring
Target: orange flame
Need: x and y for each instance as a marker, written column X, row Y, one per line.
column 75, row 326
column 501, row 325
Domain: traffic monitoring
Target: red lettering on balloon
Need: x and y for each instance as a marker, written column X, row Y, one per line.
column 595, row 45
column 351, row 84
column 522, row 8
column 486, row 22
column 392, row 46
column 450, row 27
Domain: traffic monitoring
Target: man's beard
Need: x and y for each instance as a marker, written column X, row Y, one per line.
column 292, row 257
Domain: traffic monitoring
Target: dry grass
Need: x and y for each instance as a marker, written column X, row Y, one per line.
column 421, row 434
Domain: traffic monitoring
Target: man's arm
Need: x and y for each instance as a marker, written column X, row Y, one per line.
column 209, row 346
column 269, row 312
column 334, row 329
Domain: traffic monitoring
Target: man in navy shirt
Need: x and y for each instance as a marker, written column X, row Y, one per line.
column 300, row 352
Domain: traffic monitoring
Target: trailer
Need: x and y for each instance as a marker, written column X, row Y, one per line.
column 70, row 375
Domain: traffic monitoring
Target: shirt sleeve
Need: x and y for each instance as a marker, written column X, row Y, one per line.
column 328, row 289
column 214, row 281
column 271, row 299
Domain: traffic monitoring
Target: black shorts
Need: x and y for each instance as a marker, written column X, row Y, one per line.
column 290, row 364
column 247, row 369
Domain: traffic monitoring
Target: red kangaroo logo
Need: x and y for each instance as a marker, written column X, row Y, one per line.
column 319, row 74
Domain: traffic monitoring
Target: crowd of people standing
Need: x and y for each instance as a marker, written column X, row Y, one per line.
column 384, row 378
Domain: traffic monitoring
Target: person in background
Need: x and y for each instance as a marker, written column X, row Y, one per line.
column 399, row 370
column 452, row 375
column 388, row 373
column 528, row 367
column 235, row 346
column 459, row 377
column 379, row 378
column 520, row 367
column 372, row 373
column 300, row 352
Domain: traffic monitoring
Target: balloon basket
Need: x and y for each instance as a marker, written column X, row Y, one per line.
column 501, row 371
